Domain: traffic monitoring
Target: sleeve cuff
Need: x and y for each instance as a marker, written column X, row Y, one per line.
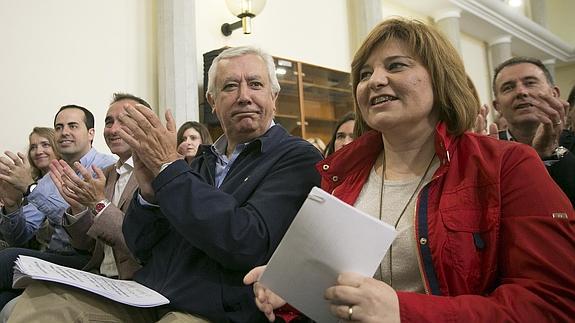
column 164, row 166
column 72, row 218
column 8, row 215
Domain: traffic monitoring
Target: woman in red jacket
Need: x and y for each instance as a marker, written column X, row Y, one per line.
column 485, row 234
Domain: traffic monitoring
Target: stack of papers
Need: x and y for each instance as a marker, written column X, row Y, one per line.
column 28, row 269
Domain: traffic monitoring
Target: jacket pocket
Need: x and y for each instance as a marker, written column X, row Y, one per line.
column 470, row 248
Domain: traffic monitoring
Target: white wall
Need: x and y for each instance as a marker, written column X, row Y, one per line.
column 315, row 32
column 474, row 53
column 565, row 79
column 560, row 19
column 392, row 9
column 81, row 51
column 71, row 52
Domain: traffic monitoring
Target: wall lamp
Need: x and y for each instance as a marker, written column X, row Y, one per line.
column 245, row 10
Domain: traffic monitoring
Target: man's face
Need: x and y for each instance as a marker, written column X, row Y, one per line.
column 517, row 89
column 74, row 140
column 243, row 101
column 116, row 144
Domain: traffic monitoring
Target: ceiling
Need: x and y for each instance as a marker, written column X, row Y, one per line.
column 489, row 20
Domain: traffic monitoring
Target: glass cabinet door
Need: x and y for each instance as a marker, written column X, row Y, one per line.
column 327, row 97
column 288, row 110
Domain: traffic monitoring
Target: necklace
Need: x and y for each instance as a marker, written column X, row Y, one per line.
column 417, row 188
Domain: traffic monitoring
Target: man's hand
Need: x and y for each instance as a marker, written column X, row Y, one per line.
column 143, row 131
column 551, row 114
column 15, row 170
column 78, row 192
column 481, row 124
column 144, row 177
column 266, row 300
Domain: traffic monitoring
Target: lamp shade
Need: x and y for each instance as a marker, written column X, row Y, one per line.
column 243, row 7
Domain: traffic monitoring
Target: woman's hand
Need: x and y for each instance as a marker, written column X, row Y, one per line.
column 15, row 170
column 370, row 300
column 266, row 300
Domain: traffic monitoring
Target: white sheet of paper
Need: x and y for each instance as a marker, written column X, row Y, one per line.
column 326, row 238
column 128, row 292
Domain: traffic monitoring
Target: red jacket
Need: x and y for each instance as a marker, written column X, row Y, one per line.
column 495, row 233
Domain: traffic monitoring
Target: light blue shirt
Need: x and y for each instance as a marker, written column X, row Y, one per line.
column 44, row 202
column 223, row 164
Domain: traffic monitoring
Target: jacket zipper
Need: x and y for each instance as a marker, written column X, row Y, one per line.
column 415, row 234
column 418, row 250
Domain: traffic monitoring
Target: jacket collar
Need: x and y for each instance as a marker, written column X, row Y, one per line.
column 365, row 149
column 263, row 143
column 444, row 145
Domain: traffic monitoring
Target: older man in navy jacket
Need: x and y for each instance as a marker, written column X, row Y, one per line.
column 198, row 229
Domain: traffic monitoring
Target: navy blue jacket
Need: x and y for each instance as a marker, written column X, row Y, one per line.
column 196, row 248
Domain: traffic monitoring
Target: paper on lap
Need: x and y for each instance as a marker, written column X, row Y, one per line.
column 27, row 269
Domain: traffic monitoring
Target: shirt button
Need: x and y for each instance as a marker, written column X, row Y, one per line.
column 325, row 167
column 335, row 178
column 423, row 241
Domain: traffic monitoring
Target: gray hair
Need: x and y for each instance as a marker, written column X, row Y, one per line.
column 241, row 51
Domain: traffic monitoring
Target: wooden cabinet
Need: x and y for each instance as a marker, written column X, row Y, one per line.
column 312, row 98
column 310, row 102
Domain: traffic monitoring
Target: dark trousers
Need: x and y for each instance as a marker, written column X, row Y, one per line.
column 9, row 255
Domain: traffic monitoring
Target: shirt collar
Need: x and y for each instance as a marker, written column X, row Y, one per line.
column 88, row 157
column 509, row 135
column 219, row 147
column 124, row 167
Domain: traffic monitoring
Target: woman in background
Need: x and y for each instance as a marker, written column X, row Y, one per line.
column 41, row 151
column 191, row 135
column 342, row 134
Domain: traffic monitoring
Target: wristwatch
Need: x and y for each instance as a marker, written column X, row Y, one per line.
column 30, row 188
column 557, row 153
column 100, row 206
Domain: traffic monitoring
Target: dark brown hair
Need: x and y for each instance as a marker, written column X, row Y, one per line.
column 200, row 128
column 330, row 148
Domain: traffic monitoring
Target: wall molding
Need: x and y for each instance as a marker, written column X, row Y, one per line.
column 490, row 19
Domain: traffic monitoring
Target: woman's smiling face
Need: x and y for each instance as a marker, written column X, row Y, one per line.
column 395, row 89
